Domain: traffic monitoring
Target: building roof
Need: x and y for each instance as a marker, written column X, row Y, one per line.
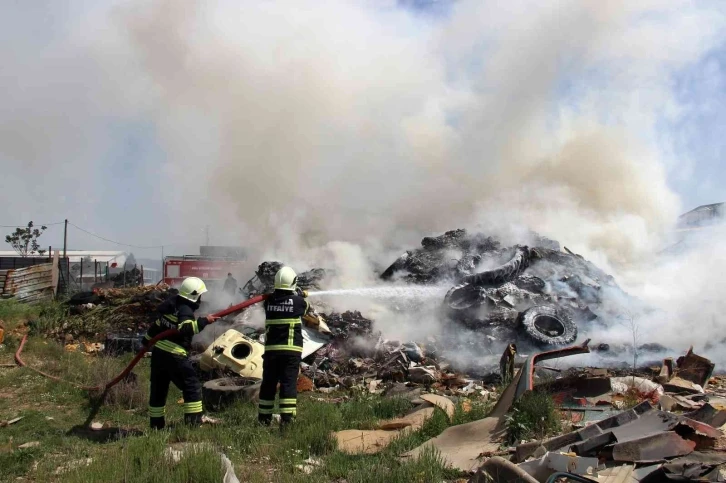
column 76, row 256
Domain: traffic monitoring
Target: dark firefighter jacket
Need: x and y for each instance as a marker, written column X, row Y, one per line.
column 176, row 313
column 283, row 321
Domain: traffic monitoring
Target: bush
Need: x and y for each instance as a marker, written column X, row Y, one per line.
column 533, row 416
column 49, row 319
column 11, row 310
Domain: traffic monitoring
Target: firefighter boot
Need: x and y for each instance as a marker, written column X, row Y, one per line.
column 193, row 419
column 157, row 422
column 286, row 422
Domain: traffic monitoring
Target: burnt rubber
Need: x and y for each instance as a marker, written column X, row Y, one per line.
column 530, row 283
column 548, row 325
column 398, row 265
column 82, row 298
column 220, row 393
column 462, row 297
column 503, row 273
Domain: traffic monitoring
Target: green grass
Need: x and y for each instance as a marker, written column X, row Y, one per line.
column 533, row 416
column 11, row 311
column 259, row 454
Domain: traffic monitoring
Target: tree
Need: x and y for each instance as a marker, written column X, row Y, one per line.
column 25, row 240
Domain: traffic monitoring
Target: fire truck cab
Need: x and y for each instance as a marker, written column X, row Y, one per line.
column 212, row 265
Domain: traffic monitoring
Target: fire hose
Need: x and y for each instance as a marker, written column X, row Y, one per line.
column 139, row 355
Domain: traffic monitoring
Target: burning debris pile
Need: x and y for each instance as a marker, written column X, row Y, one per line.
column 530, row 297
column 537, row 296
column 264, row 279
column 348, row 354
column 109, row 314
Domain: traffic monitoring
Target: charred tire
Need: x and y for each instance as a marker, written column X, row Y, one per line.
column 503, row 273
column 548, row 325
column 398, row 265
column 462, row 297
column 220, row 393
column 82, row 298
column 530, row 283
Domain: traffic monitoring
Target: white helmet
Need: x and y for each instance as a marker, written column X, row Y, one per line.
column 286, row 279
column 192, row 288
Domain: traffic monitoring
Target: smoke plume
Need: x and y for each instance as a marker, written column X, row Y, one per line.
column 351, row 121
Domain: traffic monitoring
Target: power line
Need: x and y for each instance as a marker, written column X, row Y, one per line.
column 35, row 225
column 113, row 241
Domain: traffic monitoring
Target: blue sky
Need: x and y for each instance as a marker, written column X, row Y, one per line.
column 699, row 136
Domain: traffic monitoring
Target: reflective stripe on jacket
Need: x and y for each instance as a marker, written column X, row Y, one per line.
column 283, row 321
column 176, row 313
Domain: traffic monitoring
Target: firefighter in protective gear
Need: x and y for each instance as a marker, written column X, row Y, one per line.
column 284, row 310
column 170, row 356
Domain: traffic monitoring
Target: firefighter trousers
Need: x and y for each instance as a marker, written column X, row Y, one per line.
column 166, row 368
column 279, row 367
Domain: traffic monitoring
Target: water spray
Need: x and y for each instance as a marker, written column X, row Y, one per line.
column 402, row 292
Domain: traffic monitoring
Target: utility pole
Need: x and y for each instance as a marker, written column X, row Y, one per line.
column 207, row 230
column 65, row 238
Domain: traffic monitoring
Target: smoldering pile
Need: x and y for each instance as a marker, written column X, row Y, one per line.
column 535, row 297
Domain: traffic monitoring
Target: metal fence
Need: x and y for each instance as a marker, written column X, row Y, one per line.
column 90, row 274
column 12, row 263
column 73, row 277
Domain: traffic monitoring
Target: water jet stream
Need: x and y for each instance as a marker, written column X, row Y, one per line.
column 400, row 292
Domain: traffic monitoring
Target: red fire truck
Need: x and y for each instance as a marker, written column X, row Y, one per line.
column 213, row 270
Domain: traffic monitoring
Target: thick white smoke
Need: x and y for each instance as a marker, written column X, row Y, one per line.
column 348, row 121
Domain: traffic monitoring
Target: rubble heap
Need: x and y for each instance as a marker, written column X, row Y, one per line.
column 608, row 428
column 452, row 256
column 264, row 279
column 93, row 316
column 534, row 295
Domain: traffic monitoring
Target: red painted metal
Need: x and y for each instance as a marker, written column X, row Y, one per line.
column 208, row 269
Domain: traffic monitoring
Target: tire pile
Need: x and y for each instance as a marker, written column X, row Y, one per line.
column 535, row 296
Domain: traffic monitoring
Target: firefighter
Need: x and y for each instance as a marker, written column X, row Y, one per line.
column 230, row 285
column 170, row 357
column 284, row 310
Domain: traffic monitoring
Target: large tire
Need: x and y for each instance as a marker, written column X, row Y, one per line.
column 82, row 298
column 530, row 283
column 220, row 393
column 503, row 273
column 398, row 265
column 548, row 325
column 462, row 297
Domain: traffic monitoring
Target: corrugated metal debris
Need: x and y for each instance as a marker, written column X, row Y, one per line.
column 31, row 284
